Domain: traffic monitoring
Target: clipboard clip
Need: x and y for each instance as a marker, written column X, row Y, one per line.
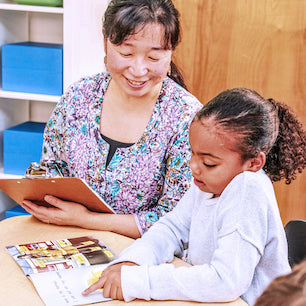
column 36, row 171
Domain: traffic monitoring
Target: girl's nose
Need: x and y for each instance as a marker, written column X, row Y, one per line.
column 194, row 165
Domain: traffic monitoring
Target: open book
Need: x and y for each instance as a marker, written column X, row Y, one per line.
column 61, row 269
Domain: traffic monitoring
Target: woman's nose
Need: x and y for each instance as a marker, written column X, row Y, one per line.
column 139, row 67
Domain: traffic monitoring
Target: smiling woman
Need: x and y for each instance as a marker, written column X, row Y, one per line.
column 140, row 63
column 138, row 67
column 125, row 131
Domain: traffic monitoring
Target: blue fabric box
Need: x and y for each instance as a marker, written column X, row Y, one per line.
column 15, row 211
column 22, row 145
column 33, row 67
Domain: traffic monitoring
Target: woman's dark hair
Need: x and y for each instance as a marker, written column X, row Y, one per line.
column 261, row 125
column 123, row 17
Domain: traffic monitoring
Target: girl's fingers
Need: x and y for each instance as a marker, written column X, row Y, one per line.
column 107, row 290
column 113, row 292
column 97, row 285
column 120, row 294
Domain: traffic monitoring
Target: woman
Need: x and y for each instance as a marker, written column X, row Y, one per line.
column 125, row 131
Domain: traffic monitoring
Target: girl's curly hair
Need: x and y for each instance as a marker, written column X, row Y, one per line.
column 261, row 125
column 287, row 156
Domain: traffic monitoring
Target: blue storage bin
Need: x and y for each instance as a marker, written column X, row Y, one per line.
column 22, row 145
column 33, row 67
column 15, row 211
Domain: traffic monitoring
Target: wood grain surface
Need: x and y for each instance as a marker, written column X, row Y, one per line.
column 255, row 44
column 16, row 289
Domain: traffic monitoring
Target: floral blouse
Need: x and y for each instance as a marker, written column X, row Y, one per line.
column 146, row 179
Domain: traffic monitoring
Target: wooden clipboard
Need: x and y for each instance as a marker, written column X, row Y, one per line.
column 66, row 188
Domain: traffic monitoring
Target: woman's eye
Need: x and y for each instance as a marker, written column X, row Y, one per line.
column 208, row 165
column 125, row 54
column 154, row 59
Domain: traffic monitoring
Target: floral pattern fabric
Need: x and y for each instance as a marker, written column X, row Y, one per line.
column 146, row 179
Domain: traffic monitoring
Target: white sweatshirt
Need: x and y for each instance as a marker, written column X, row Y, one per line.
column 237, row 246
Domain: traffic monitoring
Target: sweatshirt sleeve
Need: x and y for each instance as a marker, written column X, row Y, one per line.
column 168, row 236
column 224, row 279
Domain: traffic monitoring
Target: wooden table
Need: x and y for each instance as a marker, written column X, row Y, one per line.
column 16, row 289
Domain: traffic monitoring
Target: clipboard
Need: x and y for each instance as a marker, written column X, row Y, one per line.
column 71, row 189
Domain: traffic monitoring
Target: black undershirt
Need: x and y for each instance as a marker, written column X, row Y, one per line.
column 113, row 145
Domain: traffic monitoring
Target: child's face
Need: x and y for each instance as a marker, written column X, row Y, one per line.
column 213, row 163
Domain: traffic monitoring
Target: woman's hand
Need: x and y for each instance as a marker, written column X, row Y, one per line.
column 75, row 214
column 62, row 212
column 110, row 281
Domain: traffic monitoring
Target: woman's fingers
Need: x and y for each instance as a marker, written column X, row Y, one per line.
column 28, row 206
column 56, row 202
column 40, row 212
column 53, row 214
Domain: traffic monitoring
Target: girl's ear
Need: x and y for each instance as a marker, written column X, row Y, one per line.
column 256, row 163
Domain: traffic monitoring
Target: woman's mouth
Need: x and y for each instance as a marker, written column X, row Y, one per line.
column 136, row 84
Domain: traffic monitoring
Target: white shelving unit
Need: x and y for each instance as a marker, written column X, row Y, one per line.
column 10, row 5
column 25, row 19
column 28, row 96
column 78, row 26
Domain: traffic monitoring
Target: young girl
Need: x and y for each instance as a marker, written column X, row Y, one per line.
column 229, row 218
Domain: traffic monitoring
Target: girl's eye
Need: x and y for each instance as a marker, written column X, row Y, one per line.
column 209, row 166
column 125, row 54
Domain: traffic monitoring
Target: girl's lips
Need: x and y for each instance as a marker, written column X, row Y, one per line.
column 198, row 183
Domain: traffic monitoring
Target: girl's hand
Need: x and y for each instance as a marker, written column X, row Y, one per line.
column 110, row 281
column 62, row 212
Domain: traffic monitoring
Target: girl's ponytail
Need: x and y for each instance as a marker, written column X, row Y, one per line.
column 288, row 154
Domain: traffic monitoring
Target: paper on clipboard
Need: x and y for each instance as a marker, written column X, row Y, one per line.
column 66, row 188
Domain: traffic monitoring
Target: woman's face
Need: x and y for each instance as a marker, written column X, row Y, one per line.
column 140, row 63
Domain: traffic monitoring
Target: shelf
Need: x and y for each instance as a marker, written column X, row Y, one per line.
column 6, row 176
column 10, row 176
column 28, row 96
column 31, row 8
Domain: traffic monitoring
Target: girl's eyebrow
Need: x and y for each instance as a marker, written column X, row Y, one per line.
column 209, row 154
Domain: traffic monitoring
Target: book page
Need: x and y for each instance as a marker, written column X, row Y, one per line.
column 57, row 255
column 65, row 287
